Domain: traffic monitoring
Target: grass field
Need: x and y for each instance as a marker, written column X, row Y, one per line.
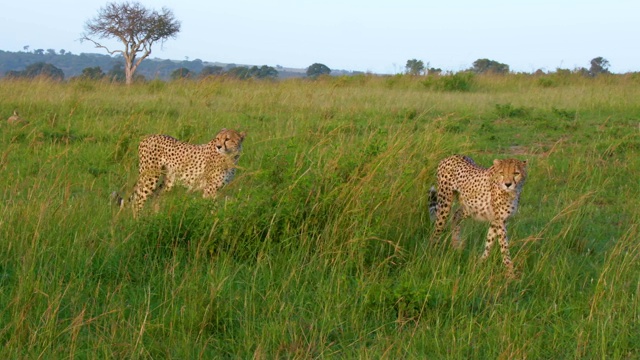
column 320, row 246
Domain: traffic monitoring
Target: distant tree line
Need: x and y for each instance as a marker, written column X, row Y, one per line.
column 238, row 72
column 37, row 69
column 599, row 65
column 73, row 65
column 62, row 65
column 98, row 66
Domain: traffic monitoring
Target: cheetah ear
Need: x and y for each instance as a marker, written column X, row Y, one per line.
column 243, row 134
column 496, row 162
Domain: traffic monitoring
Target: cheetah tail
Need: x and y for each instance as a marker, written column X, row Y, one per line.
column 433, row 203
column 117, row 199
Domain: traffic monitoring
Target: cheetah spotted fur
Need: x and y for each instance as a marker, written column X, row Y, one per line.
column 490, row 195
column 164, row 161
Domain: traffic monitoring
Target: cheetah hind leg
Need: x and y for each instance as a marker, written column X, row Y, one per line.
column 456, row 241
column 147, row 185
column 164, row 184
column 443, row 207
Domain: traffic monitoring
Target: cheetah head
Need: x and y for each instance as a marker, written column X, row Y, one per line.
column 229, row 142
column 509, row 174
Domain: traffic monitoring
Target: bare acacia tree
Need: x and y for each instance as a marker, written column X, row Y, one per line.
column 137, row 27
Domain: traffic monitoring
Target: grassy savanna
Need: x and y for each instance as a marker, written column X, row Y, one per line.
column 320, row 248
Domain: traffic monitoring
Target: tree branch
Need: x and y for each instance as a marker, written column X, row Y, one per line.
column 98, row 45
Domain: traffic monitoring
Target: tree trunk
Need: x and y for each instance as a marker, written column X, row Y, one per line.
column 131, row 65
column 128, row 74
column 128, row 69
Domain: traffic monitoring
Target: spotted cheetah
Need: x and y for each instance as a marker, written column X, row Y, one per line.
column 164, row 160
column 485, row 194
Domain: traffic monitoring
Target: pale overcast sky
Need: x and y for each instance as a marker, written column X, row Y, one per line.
column 360, row 35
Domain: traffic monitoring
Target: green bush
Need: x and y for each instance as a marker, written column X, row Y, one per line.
column 456, row 82
column 510, row 111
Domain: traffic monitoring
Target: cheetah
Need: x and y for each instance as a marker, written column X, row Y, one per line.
column 164, row 161
column 490, row 195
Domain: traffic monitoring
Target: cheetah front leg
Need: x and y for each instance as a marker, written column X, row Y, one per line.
column 499, row 230
column 211, row 190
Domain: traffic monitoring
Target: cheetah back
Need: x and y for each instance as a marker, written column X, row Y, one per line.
column 176, row 159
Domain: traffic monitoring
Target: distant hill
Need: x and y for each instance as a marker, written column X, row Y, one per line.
column 72, row 64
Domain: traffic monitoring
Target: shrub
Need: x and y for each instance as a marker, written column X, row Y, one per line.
column 458, row 82
column 509, row 111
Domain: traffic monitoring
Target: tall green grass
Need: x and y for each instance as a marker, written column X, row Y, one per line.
column 320, row 246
